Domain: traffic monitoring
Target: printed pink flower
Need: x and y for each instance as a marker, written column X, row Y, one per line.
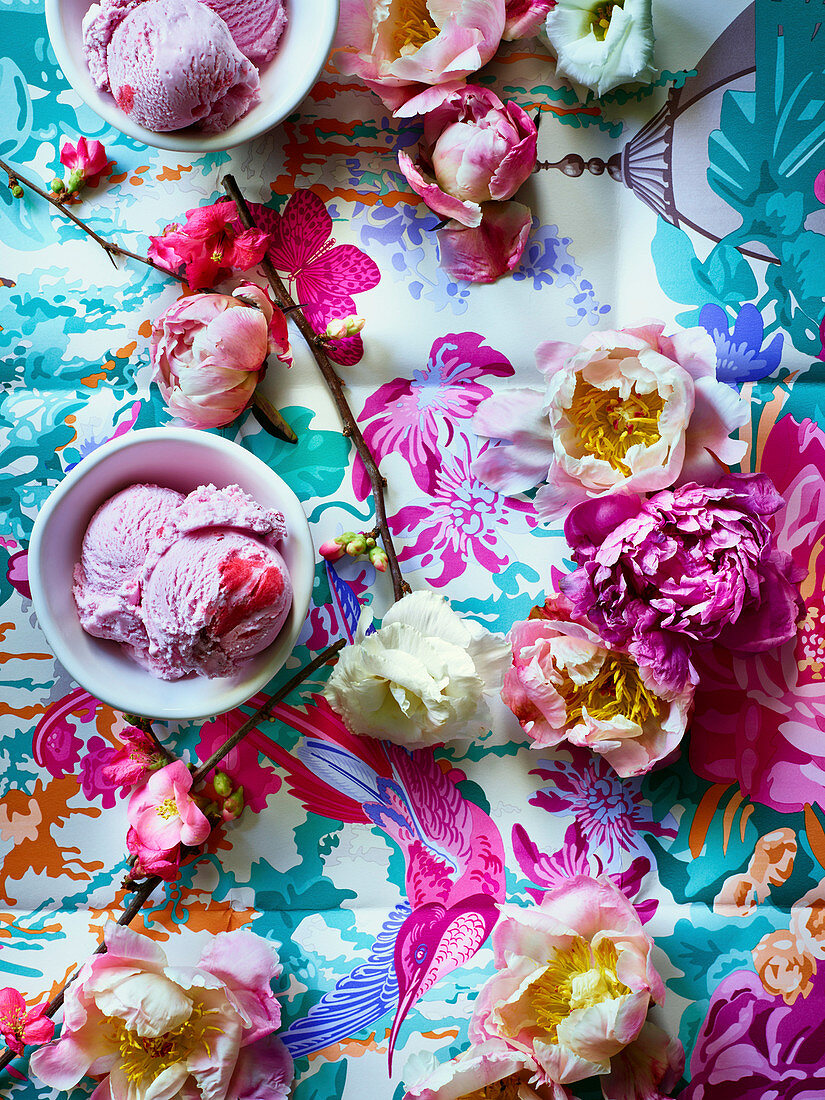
column 209, row 245
column 475, row 149
column 524, row 18
column 88, row 161
column 461, row 521
column 163, row 815
column 491, row 249
column 21, row 1027
column 566, row 683
column 320, row 274
column 819, row 186
column 574, row 980
column 631, row 409
column 416, row 417
column 475, row 1072
column 17, row 573
column 244, row 764
column 400, row 47
column 149, row 1030
column 135, row 762
column 686, row 567
column 760, row 718
column 209, row 350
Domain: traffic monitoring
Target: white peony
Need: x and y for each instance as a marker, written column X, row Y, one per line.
column 423, row 678
column 602, row 43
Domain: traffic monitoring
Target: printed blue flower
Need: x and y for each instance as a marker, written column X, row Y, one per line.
column 741, row 357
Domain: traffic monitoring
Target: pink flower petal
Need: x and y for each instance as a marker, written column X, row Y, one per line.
column 467, row 213
column 494, row 248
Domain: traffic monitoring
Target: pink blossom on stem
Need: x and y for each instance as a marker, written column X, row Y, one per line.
column 163, row 816
column 209, row 245
column 21, row 1028
column 88, row 159
column 135, row 762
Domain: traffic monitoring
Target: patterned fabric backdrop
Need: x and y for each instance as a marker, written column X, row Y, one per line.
column 708, row 218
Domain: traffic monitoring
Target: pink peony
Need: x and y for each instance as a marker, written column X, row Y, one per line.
column 524, row 18
column 88, row 161
column 135, row 762
column 490, row 250
column 209, row 245
column 399, row 47
column 163, row 816
column 574, row 981
column 683, row 568
column 565, row 683
column 208, row 351
column 475, row 149
column 21, row 1027
column 150, row 1030
column 475, row 1072
column 630, row 409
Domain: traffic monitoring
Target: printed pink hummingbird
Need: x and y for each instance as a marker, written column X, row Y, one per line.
column 454, row 867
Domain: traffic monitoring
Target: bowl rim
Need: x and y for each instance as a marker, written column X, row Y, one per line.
column 189, row 140
column 302, row 579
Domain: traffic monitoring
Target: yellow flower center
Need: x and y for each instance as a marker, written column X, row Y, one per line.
column 168, row 808
column 414, row 26
column 615, row 691
column 577, row 977
column 506, row 1089
column 608, row 425
column 143, row 1058
column 600, row 17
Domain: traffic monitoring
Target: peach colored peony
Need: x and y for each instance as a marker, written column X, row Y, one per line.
column 785, row 968
column 808, row 920
column 574, row 983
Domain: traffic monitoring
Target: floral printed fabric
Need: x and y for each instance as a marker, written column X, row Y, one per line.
column 358, row 859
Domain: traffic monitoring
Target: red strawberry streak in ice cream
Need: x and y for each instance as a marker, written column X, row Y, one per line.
column 248, row 585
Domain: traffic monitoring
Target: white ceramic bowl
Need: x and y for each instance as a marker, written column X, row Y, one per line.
column 182, row 459
column 301, row 55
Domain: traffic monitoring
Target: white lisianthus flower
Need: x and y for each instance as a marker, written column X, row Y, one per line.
column 602, row 43
column 424, row 678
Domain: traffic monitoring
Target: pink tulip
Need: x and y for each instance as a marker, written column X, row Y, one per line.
column 492, row 249
column 208, row 351
column 475, row 149
column 164, row 815
column 398, row 49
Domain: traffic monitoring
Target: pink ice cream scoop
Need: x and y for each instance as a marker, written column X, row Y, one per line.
column 212, row 588
column 169, row 63
column 255, row 27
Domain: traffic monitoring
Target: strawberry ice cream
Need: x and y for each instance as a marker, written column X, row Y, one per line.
column 256, row 28
column 192, row 584
column 169, row 63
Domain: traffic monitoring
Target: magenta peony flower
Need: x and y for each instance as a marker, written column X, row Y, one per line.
column 163, row 816
column 398, row 48
column 208, row 351
column 151, row 1030
column 685, row 567
column 22, row 1027
column 491, row 249
column 475, row 149
column 87, row 162
column 565, row 683
column 209, row 245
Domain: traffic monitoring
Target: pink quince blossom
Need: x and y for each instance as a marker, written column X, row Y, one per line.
column 483, row 253
column 208, row 351
column 627, row 409
column 163, row 815
column 21, row 1027
column 402, row 47
column 209, row 245
column 524, row 18
column 150, row 1030
column 135, row 762
column 475, row 149
column 574, row 981
column 89, row 160
column 566, row 683
column 476, row 1070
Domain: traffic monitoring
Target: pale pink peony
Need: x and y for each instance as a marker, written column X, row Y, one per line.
column 566, row 683
column 208, row 351
column 628, row 409
column 475, row 149
column 399, row 47
column 524, row 18
column 163, row 816
column 478, row 1068
column 486, row 252
column 153, row 1031
column 574, row 982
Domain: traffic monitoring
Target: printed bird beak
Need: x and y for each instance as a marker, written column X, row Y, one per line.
column 404, row 1006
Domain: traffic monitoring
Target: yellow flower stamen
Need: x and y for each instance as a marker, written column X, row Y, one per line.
column 600, row 18
column 144, row 1058
column 414, row 26
column 615, row 691
column 576, row 977
column 167, row 808
column 506, row 1089
column 608, row 425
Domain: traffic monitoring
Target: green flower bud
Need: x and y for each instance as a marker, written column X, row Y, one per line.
column 223, row 784
column 57, row 186
column 233, row 806
column 17, row 190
